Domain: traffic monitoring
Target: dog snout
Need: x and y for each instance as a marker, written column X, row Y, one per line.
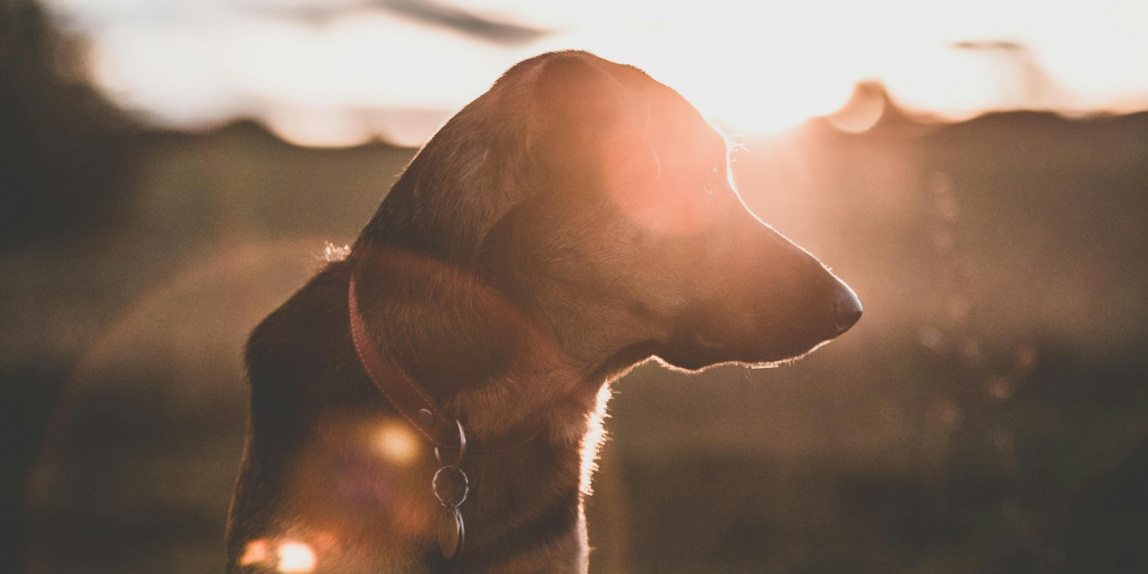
column 846, row 307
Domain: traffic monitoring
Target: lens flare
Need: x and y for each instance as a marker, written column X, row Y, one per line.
column 257, row 552
column 296, row 557
column 397, row 443
column 289, row 557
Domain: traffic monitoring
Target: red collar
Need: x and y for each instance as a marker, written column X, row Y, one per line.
column 408, row 397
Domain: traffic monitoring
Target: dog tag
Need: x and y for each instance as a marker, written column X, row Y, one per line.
column 451, row 534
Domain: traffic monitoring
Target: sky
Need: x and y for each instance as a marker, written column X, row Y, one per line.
column 344, row 72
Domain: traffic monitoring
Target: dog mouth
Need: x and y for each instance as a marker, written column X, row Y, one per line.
column 696, row 350
column 764, row 340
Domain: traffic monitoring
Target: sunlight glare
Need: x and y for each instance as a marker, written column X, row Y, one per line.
column 182, row 80
column 748, row 74
column 314, row 126
column 1101, row 63
column 946, row 81
column 592, row 442
column 752, row 67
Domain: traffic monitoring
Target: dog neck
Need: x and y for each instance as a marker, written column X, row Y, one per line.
column 504, row 379
column 480, row 357
column 411, row 401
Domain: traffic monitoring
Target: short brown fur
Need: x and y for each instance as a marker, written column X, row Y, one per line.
column 573, row 221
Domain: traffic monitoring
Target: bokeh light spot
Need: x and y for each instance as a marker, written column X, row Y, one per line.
column 257, row 552
column 397, row 443
column 296, row 557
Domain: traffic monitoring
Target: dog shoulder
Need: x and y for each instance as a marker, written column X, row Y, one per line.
column 296, row 350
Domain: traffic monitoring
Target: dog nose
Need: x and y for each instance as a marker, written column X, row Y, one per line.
column 846, row 307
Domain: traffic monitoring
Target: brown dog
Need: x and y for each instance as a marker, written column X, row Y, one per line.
column 573, row 221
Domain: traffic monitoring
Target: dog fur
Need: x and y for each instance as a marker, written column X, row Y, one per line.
column 573, row 221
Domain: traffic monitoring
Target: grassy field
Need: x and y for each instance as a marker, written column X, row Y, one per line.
column 988, row 414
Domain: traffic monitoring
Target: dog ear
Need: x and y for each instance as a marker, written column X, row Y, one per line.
column 590, row 123
column 571, row 88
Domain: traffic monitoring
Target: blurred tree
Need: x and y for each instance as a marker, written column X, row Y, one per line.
column 64, row 155
column 63, row 148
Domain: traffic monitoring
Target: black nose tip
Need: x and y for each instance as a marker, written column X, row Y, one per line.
column 847, row 308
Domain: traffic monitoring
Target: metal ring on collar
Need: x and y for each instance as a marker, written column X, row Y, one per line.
column 461, row 448
column 457, row 487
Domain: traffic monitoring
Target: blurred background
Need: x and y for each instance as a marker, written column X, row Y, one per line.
column 171, row 170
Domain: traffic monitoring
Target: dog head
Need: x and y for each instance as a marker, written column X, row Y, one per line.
column 599, row 203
